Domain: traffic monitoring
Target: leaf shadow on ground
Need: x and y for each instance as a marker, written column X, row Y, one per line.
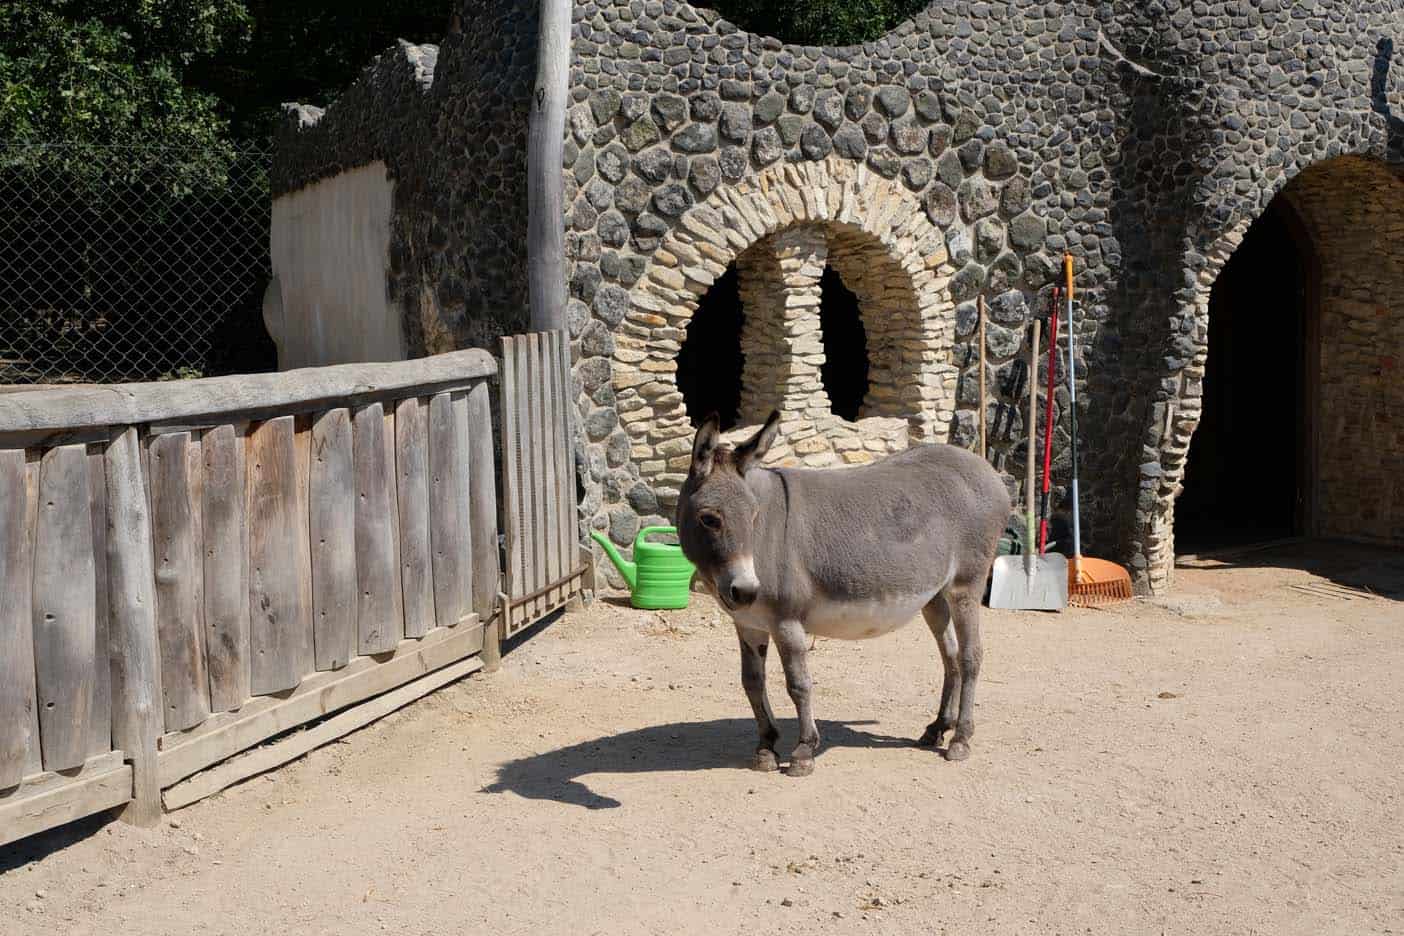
column 719, row 744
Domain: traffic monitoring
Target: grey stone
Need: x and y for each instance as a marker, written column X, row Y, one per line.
column 613, row 229
column 850, row 143
column 959, row 245
column 1000, row 161
column 928, row 106
column 828, row 109
column 705, row 107
column 705, row 175
column 735, row 122
column 733, row 90
column 611, row 304
column 916, row 173
column 938, row 138
column 989, row 240
column 593, row 373
column 971, row 152
column 977, row 199
column 1027, row 231
column 1015, row 197
column 642, row 499
column 623, row 524
column 1001, row 342
column 733, row 163
column 815, row 142
column 672, row 200
column 791, row 126
column 874, row 128
column 654, row 164
column 802, row 99
column 883, row 162
column 631, row 196
column 639, row 134
column 670, row 111
column 967, row 282
column 894, row 101
column 941, row 205
column 600, row 423
column 613, row 162
column 766, row 146
column 769, row 107
column 617, row 451
column 1009, row 308
column 696, row 138
column 633, row 106
column 1005, row 271
column 948, row 169
column 856, row 102
column 908, row 136
column 604, row 104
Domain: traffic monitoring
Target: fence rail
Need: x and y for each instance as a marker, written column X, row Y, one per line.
column 249, row 554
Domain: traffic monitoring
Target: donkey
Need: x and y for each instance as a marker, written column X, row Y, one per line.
column 849, row 553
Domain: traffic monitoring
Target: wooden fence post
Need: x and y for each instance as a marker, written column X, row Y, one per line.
column 137, row 716
column 482, row 504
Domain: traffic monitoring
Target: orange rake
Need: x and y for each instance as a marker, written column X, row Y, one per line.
column 1092, row 583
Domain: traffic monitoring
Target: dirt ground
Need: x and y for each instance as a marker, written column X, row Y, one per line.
column 1224, row 760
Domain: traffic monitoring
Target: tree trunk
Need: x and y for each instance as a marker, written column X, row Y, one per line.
column 545, row 175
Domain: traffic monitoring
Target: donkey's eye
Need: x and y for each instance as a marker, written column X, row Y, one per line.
column 710, row 520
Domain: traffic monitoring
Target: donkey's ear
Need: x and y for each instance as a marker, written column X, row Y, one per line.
column 705, row 446
column 750, row 452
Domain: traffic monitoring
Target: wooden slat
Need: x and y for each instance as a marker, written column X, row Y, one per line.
column 333, row 523
column 136, row 663
column 511, row 467
column 550, row 531
column 64, row 584
column 570, row 533
column 526, row 475
column 482, row 500
column 320, row 694
column 17, row 699
column 55, row 801
column 294, row 746
column 445, row 473
column 302, row 449
column 280, row 611
column 412, row 497
column 179, row 575
column 100, row 741
column 226, row 568
column 462, row 497
column 537, row 533
column 376, row 559
column 34, row 761
column 245, row 396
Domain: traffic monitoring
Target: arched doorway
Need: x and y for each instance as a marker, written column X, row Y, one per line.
column 1301, row 429
column 1246, row 479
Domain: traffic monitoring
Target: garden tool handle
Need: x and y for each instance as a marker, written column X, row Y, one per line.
column 1029, row 547
column 1068, row 275
column 1048, row 424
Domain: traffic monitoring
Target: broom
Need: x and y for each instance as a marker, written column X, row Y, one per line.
column 1091, row 582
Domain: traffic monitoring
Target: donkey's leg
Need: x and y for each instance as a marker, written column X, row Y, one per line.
column 794, row 654
column 938, row 618
column 964, row 601
column 753, row 647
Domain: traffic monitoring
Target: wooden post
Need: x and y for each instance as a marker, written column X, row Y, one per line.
column 482, row 503
column 545, row 183
column 136, row 659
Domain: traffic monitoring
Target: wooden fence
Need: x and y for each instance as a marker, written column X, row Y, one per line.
column 544, row 562
column 249, row 554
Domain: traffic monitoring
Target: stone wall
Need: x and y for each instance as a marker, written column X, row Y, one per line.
column 964, row 151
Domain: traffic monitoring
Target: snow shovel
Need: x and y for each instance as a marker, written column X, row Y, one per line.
column 1030, row 582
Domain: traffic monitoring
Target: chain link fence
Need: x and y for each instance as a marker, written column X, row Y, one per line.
column 122, row 263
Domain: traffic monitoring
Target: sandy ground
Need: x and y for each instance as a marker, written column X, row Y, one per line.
column 1227, row 760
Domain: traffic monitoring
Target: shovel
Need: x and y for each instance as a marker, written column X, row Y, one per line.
column 1030, row 582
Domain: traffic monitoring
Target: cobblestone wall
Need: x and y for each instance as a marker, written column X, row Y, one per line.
column 970, row 147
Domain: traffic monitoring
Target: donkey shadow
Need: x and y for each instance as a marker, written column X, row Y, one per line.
column 720, row 744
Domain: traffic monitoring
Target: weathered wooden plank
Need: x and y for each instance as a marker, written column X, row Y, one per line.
column 565, row 453
column 511, row 468
column 100, row 740
column 482, row 501
column 34, row 761
column 17, row 699
column 333, row 510
column 462, row 496
column 226, row 568
column 136, row 661
column 540, row 490
column 376, row 558
column 445, row 542
column 412, row 497
column 179, row 572
column 320, row 694
column 302, row 448
column 526, row 433
column 64, row 586
column 280, row 610
column 246, row 396
column 57, row 803
column 550, row 532
column 295, row 745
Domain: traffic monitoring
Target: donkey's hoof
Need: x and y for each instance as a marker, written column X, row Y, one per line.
column 931, row 737
column 958, row 751
column 800, row 767
column 765, row 761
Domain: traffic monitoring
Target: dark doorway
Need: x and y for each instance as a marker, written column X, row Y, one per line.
column 1244, row 478
column 709, row 361
column 845, row 370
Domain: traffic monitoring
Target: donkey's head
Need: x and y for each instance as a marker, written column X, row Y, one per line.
column 717, row 511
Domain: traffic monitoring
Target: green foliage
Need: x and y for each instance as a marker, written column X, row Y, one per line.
column 818, row 22
column 112, row 71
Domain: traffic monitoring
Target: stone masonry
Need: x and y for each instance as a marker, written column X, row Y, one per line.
column 958, row 156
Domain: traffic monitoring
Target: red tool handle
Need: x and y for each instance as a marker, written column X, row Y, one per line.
column 1048, row 425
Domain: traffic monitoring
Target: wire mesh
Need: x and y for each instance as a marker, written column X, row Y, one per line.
column 121, row 263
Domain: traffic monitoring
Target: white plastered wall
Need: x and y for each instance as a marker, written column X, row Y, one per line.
column 330, row 244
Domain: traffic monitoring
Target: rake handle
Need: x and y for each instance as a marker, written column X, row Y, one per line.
column 1048, row 425
column 1033, row 435
column 1072, row 415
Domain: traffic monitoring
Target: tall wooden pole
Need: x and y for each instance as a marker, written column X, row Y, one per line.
column 545, row 175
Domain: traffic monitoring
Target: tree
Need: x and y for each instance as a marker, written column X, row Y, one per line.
column 818, row 22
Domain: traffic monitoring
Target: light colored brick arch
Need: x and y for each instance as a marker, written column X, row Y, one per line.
column 888, row 253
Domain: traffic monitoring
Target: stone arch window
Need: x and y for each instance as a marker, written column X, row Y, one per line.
column 844, row 373
column 709, row 361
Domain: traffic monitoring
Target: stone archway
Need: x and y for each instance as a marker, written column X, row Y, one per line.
column 1348, row 209
column 782, row 228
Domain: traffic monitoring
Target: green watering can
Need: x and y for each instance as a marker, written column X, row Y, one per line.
column 660, row 575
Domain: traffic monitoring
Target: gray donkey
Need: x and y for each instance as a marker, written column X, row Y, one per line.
column 849, row 553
